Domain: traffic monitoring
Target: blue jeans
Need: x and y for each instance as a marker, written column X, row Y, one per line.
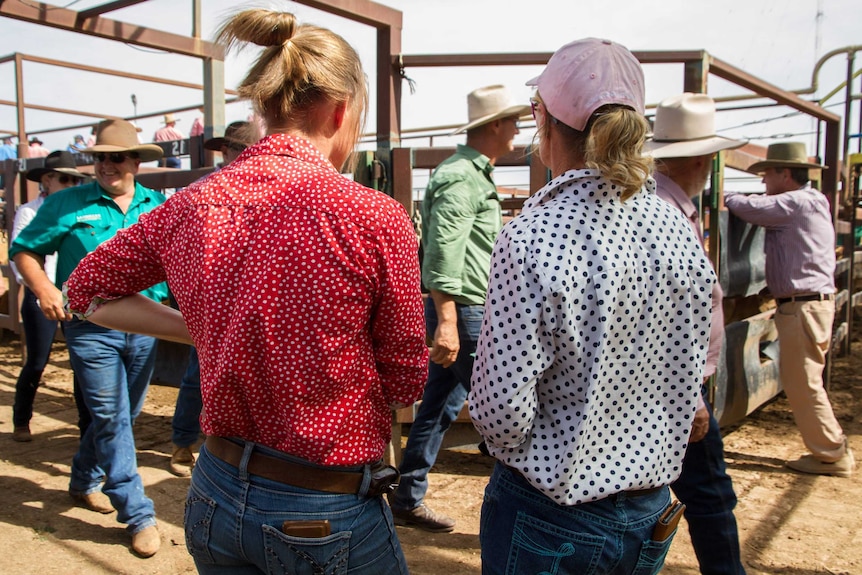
column 522, row 531
column 38, row 336
column 233, row 525
column 444, row 396
column 707, row 491
column 186, row 423
column 114, row 370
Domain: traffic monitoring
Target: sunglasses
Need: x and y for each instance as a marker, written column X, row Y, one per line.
column 534, row 107
column 114, row 157
column 66, row 179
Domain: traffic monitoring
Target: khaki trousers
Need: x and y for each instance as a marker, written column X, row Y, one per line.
column 804, row 334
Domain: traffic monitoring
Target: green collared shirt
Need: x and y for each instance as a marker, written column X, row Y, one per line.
column 461, row 218
column 73, row 222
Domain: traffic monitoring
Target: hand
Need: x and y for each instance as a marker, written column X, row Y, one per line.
column 700, row 425
column 51, row 303
column 446, row 344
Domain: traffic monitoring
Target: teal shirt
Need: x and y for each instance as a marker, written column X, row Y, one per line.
column 461, row 218
column 73, row 222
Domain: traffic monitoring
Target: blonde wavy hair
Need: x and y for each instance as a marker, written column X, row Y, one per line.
column 611, row 143
column 302, row 65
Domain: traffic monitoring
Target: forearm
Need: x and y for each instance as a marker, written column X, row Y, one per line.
column 444, row 305
column 139, row 314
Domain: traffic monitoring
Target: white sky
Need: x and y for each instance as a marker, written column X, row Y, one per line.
column 777, row 40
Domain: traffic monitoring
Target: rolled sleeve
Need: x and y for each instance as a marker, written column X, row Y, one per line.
column 451, row 217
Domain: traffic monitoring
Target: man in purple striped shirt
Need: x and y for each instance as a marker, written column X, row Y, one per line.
column 800, row 267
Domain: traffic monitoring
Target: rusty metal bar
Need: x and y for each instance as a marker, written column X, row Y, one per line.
column 536, row 58
column 58, row 110
column 63, row 19
column 23, row 148
column 120, row 73
column 767, row 90
column 363, row 11
column 105, row 8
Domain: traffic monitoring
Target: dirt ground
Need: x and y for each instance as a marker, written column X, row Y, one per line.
column 789, row 523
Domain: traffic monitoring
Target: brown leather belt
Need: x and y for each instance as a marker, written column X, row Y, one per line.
column 806, row 297
column 287, row 472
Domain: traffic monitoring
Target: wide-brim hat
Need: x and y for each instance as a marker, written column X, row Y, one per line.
column 490, row 103
column 241, row 132
column 170, row 119
column 121, row 136
column 685, row 128
column 60, row 161
column 785, row 155
column 35, row 140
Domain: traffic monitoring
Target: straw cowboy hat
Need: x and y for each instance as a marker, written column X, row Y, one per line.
column 60, row 161
column 488, row 104
column 241, row 132
column 785, row 155
column 170, row 119
column 685, row 128
column 121, row 136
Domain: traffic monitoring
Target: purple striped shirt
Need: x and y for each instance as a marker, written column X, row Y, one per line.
column 800, row 239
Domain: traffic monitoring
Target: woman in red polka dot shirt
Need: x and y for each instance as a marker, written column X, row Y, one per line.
column 300, row 290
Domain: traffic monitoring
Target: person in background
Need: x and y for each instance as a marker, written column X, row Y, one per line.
column 113, row 368
column 590, row 358
column 684, row 144
column 8, row 150
column 197, row 128
column 78, row 145
column 800, row 274
column 300, row 291
column 36, row 150
column 461, row 217
column 185, row 424
column 168, row 133
column 58, row 173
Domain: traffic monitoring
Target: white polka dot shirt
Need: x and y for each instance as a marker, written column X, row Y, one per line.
column 594, row 338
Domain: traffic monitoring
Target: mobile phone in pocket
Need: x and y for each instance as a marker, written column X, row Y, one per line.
column 310, row 528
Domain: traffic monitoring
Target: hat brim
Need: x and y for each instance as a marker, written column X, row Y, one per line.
column 760, row 167
column 691, row 148
column 215, row 144
column 517, row 110
column 146, row 152
column 35, row 175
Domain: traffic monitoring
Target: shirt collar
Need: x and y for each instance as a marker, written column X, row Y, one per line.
column 289, row 145
column 679, row 197
column 481, row 161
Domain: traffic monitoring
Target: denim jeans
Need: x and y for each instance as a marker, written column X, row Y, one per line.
column 444, row 396
column 114, row 370
column 186, row 423
column 233, row 525
column 707, row 491
column 38, row 336
column 522, row 531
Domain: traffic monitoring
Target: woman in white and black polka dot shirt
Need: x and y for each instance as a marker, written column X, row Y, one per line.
column 594, row 338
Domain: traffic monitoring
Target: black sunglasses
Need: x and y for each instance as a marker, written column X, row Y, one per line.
column 114, row 157
column 65, row 179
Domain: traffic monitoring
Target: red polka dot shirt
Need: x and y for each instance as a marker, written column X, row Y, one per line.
column 301, row 291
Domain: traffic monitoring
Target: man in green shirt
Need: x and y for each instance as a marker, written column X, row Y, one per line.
column 461, row 217
column 113, row 368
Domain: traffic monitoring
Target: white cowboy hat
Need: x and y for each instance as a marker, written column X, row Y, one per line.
column 490, row 103
column 170, row 119
column 685, row 128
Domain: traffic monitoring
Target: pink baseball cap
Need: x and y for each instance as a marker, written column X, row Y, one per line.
column 585, row 75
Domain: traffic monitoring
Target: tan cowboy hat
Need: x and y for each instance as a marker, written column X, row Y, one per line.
column 170, row 119
column 685, row 128
column 241, row 132
column 60, row 161
column 785, row 155
column 121, row 136
column 488, row 104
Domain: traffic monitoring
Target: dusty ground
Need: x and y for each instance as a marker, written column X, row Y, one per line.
column 789, row 523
